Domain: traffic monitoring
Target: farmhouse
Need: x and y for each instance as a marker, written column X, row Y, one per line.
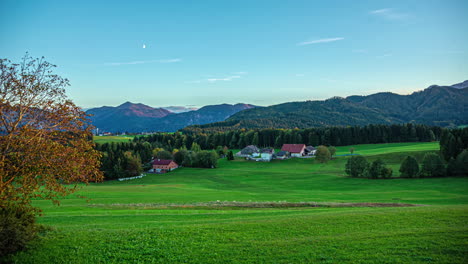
column 310, row 151
column 266, row 154
column 163, row 166
column 248, row 151
column 296, row 150
column 282, row 155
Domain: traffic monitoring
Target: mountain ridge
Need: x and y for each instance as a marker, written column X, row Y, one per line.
column 137, row 117
column 435, row 105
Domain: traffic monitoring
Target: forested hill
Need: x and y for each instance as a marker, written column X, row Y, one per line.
column 436, row 105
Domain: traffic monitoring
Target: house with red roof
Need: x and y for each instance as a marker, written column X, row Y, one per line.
column 296, row 150
column 163, row 166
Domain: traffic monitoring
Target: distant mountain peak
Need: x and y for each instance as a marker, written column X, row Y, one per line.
column 461, row 85
column 126, row 104
column 138, row 117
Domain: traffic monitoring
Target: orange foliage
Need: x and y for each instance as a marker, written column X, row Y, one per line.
column 46, row 146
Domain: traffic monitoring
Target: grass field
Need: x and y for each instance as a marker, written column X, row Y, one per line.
column 108, row 139
column 171, row 218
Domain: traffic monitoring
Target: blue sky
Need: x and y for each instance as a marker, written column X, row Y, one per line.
column 259, row 52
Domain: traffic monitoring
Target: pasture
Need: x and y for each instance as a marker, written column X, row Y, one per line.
column 109, row 139
column 179, row 217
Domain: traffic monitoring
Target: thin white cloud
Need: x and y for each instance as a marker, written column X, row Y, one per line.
column 388, row 13
column 381, row 11
column 223, row 79
column 316, row 41
column 142, row 62
column 299, row 75
column 229, row 78
column 240, row 73
column 169, row 61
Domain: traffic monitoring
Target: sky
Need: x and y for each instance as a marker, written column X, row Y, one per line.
column 195, row 53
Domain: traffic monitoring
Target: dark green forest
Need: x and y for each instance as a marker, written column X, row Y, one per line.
column 434, row 106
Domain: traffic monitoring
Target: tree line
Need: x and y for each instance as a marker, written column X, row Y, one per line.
column 127, row 159
column 335, row 136
column 452, row 160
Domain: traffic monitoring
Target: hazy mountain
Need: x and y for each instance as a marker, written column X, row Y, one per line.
column 436, row 105
column 179, row 109
column 126, row 115
column 130, row 117
column 461, row 85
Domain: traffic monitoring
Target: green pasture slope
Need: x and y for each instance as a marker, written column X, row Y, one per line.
column 164, row 218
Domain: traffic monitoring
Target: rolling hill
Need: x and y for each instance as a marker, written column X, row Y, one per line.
column 436, row 105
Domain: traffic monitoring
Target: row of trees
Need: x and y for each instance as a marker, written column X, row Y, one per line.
column 126, row 159
column 358, row 166
column 195, row 157
column 336, row 136
column 432, row 165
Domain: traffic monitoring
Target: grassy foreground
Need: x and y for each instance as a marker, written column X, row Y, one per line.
column 134, row 222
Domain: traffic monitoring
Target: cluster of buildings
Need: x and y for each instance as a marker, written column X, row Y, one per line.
column 252, row 152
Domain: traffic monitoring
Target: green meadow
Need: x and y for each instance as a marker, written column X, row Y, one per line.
column 184, row 217
column 109, row 139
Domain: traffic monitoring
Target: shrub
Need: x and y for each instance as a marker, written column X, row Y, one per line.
column 356, row 166
column 409, row 167
column 207, row 159
column 17, row 228
column 377, row 169
column 432, row 166
column 230, row 155
column 322, row 154
column 332, row 150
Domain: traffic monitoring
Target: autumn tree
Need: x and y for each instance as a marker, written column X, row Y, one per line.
column 46, row 143
column 45, row 139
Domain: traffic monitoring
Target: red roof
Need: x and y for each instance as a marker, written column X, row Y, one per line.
column 293, row 148
column 161, row 162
